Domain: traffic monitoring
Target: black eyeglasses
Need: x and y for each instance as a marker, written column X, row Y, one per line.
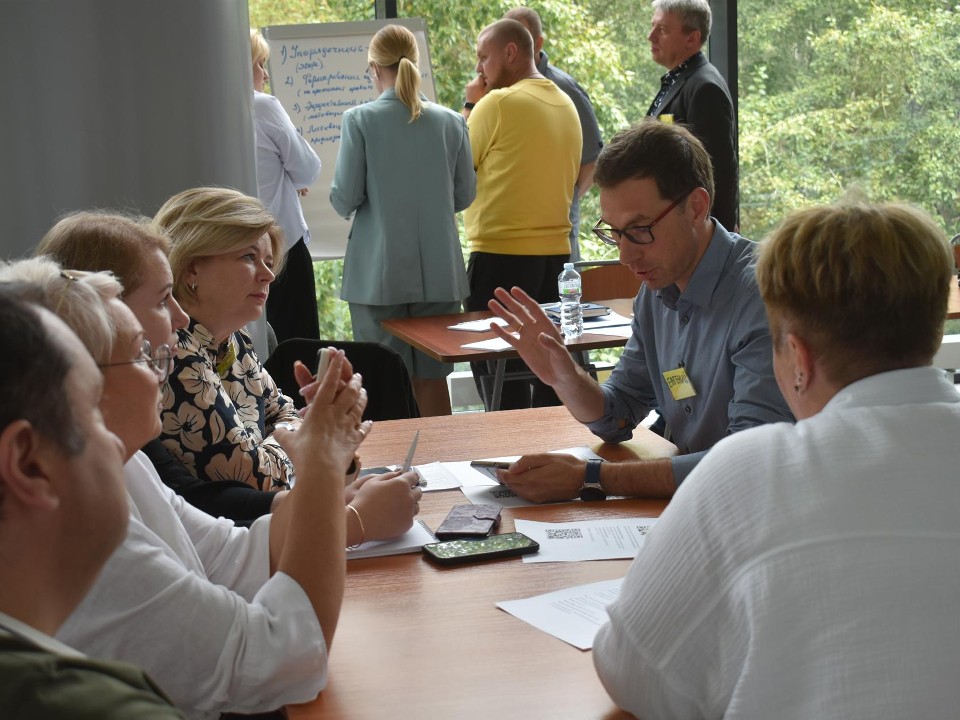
column 160, row 360
column 639, row 234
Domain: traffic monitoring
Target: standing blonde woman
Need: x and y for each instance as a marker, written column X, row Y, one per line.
column 286, row 167
column 405, row 169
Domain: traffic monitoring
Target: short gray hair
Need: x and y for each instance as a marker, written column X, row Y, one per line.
column 76, row 297
column 693, row 14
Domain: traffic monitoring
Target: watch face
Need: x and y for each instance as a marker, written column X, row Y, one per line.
column 592, row 492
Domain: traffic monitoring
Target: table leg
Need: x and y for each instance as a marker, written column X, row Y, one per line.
column 498, row 385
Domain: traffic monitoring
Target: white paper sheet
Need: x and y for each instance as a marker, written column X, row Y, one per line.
column 491, row 344
column 436, row 476
column 411, row 541
column 606, row 539
column 624, row 331
column 605, row 321
column 478, row 325
column 574, row 615
column 495, row 495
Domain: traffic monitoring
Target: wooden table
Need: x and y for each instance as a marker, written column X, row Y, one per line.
column 432, row 336
column 418, row 641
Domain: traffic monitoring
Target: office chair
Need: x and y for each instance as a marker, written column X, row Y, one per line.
column 385, row 377
column 606, row 280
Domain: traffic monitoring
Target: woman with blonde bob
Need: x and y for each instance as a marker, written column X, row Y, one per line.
column 136, row 254
column 813, row 570
column 220, row 407
column 404, row 169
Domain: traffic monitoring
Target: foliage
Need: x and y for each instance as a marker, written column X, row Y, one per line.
column 862, row 101
column 851, row 97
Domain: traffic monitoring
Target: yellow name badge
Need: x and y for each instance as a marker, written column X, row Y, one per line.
column 680, row 386
column 666, row 117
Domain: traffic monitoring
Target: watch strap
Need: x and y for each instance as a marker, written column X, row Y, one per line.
column 592, row 489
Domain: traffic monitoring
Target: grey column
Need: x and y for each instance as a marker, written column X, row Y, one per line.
column 120, row 104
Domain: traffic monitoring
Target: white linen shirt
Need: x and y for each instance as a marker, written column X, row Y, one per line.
column 807, row 571
column 188, row 598
column 285, row 162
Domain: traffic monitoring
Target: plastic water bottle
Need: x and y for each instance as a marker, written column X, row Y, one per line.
column 571, row 316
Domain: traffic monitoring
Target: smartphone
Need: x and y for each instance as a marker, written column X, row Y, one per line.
column 323, row 361
column 453, row 552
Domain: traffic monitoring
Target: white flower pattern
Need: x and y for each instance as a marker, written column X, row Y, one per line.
column 214, row 422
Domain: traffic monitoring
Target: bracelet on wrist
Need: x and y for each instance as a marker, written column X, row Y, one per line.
column 469, row 105
column 362, row 533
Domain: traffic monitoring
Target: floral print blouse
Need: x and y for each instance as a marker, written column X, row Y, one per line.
column 220, row 408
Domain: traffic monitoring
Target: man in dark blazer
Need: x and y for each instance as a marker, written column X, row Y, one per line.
column 694, row 93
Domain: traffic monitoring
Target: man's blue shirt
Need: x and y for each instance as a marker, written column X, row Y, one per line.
column 717, row 331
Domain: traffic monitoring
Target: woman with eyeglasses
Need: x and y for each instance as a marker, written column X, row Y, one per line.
column 137, row 256
column 404, row 169
column 224, row 619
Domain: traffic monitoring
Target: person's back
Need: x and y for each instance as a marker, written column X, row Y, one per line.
column 527, row 159
column 408, row 194
column 830, row 565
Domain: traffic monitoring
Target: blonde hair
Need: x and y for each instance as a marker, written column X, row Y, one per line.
column 395, row 46
column 212, row 221
column 96, row 241
column 866, row 286
column 76, row 297
column 259, row 50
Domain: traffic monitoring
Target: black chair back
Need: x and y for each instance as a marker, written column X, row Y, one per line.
column 385, row 377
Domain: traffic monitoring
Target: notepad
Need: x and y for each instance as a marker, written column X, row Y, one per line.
column 411, row 541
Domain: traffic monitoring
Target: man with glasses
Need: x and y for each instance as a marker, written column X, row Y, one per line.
column 700, row 353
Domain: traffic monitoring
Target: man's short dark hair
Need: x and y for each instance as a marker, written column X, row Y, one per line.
column 665, row 152
column 33, row 370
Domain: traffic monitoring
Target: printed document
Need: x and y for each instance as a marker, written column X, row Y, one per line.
column 574, row 615
column 607, row 539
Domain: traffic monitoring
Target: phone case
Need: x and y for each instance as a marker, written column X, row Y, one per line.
column 469, row 521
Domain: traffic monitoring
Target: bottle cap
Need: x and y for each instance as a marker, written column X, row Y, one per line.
column 568, row 266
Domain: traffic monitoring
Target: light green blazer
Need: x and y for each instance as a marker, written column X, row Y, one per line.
column 404, row 181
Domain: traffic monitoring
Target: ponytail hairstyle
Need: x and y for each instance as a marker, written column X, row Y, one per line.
column 396, row 47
